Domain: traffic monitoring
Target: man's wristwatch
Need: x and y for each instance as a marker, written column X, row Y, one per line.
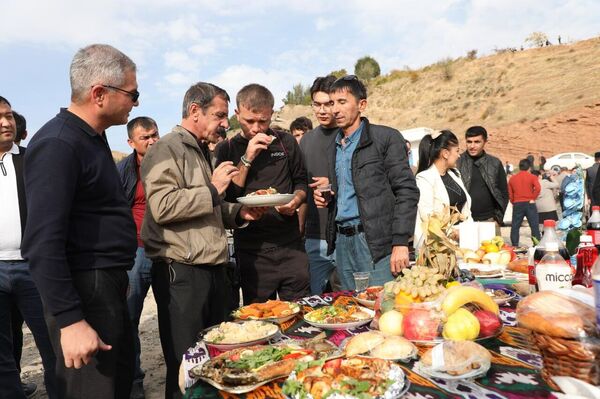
column 245, row 161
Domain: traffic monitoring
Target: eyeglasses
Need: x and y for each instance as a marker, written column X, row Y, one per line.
column 317, row 105
column 135, row 95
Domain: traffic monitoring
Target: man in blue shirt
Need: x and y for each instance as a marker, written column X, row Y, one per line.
column 373, row 214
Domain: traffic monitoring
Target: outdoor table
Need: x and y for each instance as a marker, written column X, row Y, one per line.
column 515, row 370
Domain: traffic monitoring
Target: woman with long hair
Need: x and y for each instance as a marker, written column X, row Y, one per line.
column 438, row 179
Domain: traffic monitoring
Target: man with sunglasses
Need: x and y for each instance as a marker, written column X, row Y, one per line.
column 142, row 133
column 373, row 212
column 81, row 239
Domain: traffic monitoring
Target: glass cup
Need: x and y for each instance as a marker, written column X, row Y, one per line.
column 325, row 191
column 361, row 281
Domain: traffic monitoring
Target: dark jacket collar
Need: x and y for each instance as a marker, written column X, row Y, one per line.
column 80, row 123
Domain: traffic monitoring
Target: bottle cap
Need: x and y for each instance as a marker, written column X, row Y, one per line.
column 550, row 223
column 585, row 238
column 552, row 246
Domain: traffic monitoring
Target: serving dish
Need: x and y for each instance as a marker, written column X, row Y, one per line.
column 368, row 297
column 271, row 311
column 224, row 336
column 313, row 318
column 265, row 200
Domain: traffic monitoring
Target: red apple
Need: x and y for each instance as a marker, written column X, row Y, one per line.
column 489, row 323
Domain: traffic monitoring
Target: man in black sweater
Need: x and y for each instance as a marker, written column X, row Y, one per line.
column 82, row 238
column 485, row 179
column 269, row 251
column 314, row 146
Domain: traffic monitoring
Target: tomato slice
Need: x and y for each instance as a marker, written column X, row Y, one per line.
column 298, row 354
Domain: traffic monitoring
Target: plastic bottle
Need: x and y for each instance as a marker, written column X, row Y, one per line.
column 549, row 236
column 596, row 284
column 553, row 272
column 586, row 256
column 593, row 225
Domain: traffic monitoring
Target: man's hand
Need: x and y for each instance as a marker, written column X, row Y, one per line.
column 258, row 143
column 251, row 214
column 222, row 175
column 79, row 342
column 320, row 201
column 399, row 259
column 289, row 208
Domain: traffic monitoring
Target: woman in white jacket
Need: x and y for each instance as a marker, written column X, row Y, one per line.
column 438, row 179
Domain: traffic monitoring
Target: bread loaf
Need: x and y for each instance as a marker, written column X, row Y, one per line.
column 460, row 357
column 556, row 315
column 363, row 342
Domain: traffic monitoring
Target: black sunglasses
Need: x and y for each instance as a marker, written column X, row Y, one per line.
column 133, row 94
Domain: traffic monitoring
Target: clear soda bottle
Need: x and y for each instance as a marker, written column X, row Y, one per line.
column 553, row 272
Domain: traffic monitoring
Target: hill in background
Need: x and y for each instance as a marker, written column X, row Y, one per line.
column 543, row 100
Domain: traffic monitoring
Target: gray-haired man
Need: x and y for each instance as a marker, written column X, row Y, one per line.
column 82, row 240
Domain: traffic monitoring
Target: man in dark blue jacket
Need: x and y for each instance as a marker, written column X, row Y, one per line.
column 374, row 210
column 142, row 132
column 83, row 239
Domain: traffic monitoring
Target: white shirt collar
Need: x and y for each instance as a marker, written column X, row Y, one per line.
column 14, row 149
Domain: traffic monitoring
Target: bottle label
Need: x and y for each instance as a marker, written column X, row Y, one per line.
column 596, row 279
column 552, row 277
column 595, row 236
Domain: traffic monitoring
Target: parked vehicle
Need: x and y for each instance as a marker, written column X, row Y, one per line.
column 569, row 160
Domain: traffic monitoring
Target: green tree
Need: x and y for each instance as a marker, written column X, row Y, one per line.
column 234, row 124
column 537, row 39
column 339, row 73
column 367, row 68
column 299, row 95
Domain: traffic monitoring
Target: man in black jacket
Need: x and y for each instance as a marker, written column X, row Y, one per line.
column 17, row 289
column 375, row 207
column 485, row 179
column 142, row 133
column 83, row 240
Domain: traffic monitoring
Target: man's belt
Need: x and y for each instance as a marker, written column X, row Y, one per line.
column 350, row 230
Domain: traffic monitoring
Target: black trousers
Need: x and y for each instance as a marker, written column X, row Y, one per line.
column 110, row 373
column 279, row 270
column 189, row 298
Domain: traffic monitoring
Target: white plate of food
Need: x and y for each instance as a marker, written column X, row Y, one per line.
column 265, row 197
column 231, row 335
column 481, row 270
column 368, row 297
column 272, row 311
column 339, row 317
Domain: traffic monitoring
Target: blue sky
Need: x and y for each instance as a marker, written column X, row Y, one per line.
column 276, row 43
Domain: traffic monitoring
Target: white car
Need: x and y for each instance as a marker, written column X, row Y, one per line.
column 569, row 160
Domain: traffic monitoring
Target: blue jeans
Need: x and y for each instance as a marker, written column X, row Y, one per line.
column 352, row 255
column 521, row 210
column 320, row 264
column 17, row 287
column 140, row 280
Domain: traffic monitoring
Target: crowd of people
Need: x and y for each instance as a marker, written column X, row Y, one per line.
column 87, row 239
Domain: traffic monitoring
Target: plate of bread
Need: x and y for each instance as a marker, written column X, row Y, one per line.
column 455, row 360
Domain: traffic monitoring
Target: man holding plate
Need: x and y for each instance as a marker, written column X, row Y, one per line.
column 270, row 252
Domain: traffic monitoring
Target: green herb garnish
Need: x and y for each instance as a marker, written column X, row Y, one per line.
column 294, row 389
column 259, row 358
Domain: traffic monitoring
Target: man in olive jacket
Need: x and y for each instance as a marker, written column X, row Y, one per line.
column 184, row 226
column 372, row 216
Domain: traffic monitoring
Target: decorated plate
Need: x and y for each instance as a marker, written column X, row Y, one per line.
column 499, row 294
column 406, row 359
column 227, row 336
column 342, row 325
column 481, row 270
column 271, row 311
column 265, row 200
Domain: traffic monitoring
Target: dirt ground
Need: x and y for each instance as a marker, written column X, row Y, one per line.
column 152, row 359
